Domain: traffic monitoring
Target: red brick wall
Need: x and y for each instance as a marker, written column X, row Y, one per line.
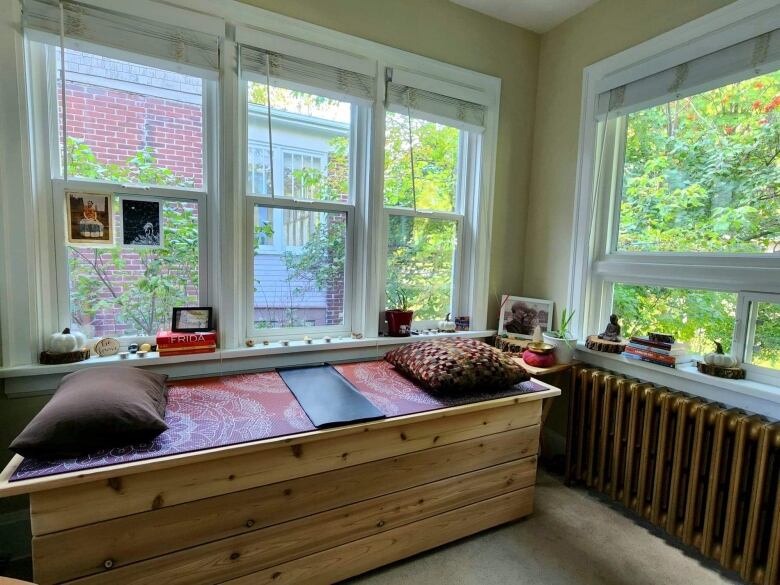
column 117, row 124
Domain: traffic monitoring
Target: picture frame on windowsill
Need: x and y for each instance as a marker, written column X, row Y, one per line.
column 192, row 319
column 519, row 316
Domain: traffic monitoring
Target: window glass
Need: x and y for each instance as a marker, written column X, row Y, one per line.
column 311, row 151
column 131, row 290
column 301, row 282
column 420, row 261
column 697, row 317
column 130, row 123
column 435, row 164
column 702, row 174
column 764, row 343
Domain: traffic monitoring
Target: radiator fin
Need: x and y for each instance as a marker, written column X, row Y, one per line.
column 706, row 474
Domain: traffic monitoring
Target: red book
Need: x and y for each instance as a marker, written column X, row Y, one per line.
column 188, row 351
column 175, row 340
column 658, row 357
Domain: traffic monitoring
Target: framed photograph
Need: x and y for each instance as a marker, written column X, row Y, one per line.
column 192, row 319
column 142, row 222
column 519, row 316
column 89, row 218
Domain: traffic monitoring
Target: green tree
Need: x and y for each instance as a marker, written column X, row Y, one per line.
column 702, row 174
column 100, row 279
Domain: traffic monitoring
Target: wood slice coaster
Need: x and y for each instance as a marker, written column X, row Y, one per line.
column 509, row 345
column 593, row 342
column 48, row 358
column 720, row 371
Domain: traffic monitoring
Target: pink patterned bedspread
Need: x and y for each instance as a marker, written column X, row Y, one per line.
column 228, row 410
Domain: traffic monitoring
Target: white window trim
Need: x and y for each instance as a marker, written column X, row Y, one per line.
column 594, row 266
column 25, row 323
column 50, row 191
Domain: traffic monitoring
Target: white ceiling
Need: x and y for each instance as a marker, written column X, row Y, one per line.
column 536, row 15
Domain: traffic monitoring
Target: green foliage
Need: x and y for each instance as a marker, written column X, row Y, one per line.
column 167, row 276
column 702, row 174
column 420, row 251
column 693, row 316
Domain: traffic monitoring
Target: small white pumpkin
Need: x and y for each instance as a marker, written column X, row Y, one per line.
column 718, row 358
column 67, row 341
column 447, row 326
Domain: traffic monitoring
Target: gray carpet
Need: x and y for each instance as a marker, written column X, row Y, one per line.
column 572, row 538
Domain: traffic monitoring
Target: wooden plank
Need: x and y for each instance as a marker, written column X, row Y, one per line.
column 29, row 486
column 362, row 555
column 79, row 505
column 82, row 551
column 248, row 553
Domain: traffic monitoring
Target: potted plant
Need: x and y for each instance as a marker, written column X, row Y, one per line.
column 562, row 339
column 399, row 319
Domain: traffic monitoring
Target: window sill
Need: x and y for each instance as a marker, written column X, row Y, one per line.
column 37, row 379
column 746, row 394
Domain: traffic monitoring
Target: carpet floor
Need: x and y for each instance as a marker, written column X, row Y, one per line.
column 573, row 537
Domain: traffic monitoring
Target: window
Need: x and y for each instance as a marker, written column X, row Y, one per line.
column 421, row 249
column 687, row 216
column 303, row 202
column 256, row 152
column 304, row 284
column 128, row 123
column 426, row 191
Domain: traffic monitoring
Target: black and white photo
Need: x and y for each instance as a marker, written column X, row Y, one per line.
column 520, row 316
column 142, row 222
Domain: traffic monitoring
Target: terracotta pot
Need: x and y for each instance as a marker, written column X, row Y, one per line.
column 399, row 323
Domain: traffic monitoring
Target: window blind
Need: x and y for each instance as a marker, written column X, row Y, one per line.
column 729, row 65
column 435, row 107
column 195, row 51
column 301, row 74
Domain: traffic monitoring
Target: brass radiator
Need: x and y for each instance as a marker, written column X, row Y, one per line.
column 706, row 474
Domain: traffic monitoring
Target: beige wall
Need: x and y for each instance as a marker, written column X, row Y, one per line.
column 447, row 32
column 604, row 29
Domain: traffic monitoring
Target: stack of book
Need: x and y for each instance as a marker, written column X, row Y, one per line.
column 173, row 343
column 662, row 353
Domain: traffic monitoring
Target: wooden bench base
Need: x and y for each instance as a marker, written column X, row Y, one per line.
column 314, row 508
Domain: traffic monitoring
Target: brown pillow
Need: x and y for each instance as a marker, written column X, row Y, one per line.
column 455, row 365
column 94, row 409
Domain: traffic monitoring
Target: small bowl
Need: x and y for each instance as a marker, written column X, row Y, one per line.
column 540, row 347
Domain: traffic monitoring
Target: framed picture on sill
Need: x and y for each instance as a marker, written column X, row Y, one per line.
column 142, row 221
column 89, row 218
column 192, row 319
column 519, row 316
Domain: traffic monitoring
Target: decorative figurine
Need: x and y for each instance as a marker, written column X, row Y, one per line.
column 326, row 339
column 147, row 347
column 250, row 342
column 133, row 348
column 612, row 332
column 307, row 339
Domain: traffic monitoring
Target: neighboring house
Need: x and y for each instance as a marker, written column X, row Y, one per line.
column 300, row 143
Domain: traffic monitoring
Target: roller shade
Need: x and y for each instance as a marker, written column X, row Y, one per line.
column 195, row 51
column 435, row 107
column 297, row 73
column 738, row 62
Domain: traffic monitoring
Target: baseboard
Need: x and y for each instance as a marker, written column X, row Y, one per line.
column 15, row 535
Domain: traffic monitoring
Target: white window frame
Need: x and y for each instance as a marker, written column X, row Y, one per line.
column 465, row 193
column 50, row 186
column 595, row 262
column 28, row 273
column 357, row 196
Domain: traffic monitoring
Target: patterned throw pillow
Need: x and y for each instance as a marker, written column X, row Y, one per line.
column 456, row 365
